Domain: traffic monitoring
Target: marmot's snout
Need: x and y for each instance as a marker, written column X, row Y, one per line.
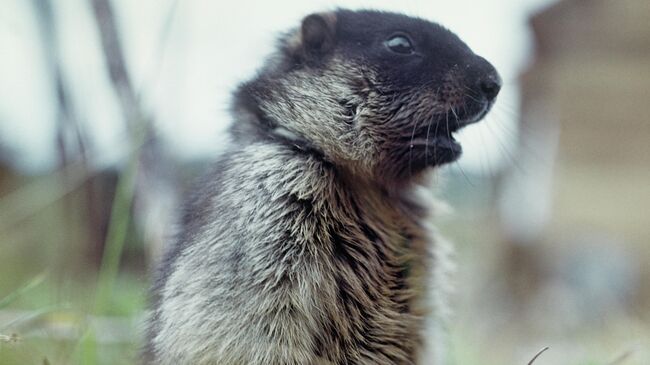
column 471, row 91
column 468, row 87
column 488, row 81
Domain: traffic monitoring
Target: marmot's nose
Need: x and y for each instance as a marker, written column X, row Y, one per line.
column 490, row 87
column 489, row 82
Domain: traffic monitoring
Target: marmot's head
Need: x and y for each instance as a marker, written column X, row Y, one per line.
column 379, row 94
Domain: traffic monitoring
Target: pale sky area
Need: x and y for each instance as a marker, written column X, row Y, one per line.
column 210, row 47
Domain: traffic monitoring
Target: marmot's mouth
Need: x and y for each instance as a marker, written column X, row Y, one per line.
column 438, row 144
column 439, row 148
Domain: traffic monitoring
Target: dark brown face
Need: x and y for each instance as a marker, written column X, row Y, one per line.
column 427, row 85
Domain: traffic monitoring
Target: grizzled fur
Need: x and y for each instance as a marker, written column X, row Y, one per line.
column 310, row 242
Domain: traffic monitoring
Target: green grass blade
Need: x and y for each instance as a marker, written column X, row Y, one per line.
column 6, row 301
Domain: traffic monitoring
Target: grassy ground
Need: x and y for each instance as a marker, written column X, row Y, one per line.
column 57, row 309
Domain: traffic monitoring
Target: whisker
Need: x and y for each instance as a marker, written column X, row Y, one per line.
column 502, row 107
column 460, row 168
column 524, row 129
column 502, row 147
column 411, row 148
column 426, row 146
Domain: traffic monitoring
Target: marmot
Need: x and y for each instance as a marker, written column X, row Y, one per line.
column 310, row 242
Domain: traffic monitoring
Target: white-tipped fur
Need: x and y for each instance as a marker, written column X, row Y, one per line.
column 312, row 243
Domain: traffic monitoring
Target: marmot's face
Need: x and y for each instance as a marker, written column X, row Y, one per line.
column 381, row 92
column 425, row 85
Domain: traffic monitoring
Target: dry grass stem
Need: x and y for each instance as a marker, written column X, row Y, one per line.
column 537, row 355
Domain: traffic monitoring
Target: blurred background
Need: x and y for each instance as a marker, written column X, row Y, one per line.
column 110, row 108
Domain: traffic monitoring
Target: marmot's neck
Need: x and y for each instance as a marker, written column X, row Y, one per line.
column 339, row 181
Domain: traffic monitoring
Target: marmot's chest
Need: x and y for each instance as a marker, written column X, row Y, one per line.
column 380, row 252
column 373, row 273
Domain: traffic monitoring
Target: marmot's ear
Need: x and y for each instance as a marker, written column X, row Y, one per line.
column 318, row 33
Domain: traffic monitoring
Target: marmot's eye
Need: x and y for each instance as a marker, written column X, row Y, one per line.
column 399, row 44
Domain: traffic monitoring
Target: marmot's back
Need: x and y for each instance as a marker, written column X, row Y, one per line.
column 308, row 245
